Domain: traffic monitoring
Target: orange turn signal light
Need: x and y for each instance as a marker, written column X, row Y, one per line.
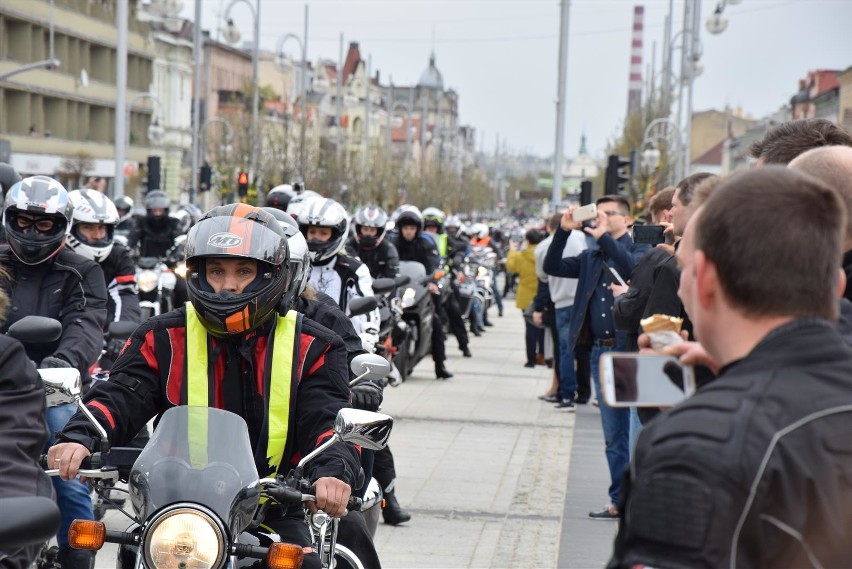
column 284, row 556
column 439, row 275
column 86, row 534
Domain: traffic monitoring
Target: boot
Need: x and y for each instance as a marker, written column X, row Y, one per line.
column 392, row 512
column 465, row 351
column 441, row 371
column 76, row 558
column 475, row 331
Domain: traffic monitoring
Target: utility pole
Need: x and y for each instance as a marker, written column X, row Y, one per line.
column 339, row 108
column 365, row 158
column 121, row 17
column 196, row 102
column 304, row 94
column 559, row 155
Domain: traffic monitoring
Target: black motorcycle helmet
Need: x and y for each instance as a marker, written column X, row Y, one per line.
column 409, row 215
column 370, row 216
column 279, row 197
column 237, row 231
column 42, row 198
column 157, row 199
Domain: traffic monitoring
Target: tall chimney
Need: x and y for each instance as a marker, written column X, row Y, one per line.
column 634, row 92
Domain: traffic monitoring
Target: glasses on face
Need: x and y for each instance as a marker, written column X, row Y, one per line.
column 611, row 213
column 42, row 225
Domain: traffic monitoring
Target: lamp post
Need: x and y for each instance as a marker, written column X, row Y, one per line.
column 303, row 90
column 229, row 131
column 232, row 35
column 662, row 130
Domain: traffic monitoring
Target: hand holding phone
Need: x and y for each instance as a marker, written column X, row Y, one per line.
column 639, row 380
column 585, row 213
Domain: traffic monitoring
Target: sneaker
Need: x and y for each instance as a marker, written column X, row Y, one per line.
column 549, row 398
column 609, row 512
column 566, row 404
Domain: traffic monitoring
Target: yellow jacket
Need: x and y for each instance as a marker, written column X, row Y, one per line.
column 523, row 263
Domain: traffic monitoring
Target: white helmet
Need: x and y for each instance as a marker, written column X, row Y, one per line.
column 324, row 212
column 91, row 206
column 300, row 261
column 298, row 201
column 479, row 230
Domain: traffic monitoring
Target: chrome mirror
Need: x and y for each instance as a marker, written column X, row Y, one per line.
column 61, row 385
column 370, row 366
column 364, row 428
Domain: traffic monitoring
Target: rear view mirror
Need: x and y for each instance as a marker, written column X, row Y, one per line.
column 359, row 306
column 382, row 286
column 61, row 385
column 370, row 366
column 27, row 520
column 364, row 428
column 36, row 330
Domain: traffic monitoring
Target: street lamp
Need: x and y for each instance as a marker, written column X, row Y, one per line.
column 662, row 130
column 229, row 133
column 280, row 58
column 232, row 35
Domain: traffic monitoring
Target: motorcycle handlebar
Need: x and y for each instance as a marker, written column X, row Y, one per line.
column 291, row 496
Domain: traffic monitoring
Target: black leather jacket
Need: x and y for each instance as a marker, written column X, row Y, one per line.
column 120, row 277
column 382, row 260
column 69, row 288
column 752, row 471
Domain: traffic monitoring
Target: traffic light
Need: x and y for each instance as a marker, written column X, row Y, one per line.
column 242, row 184
column 153, row 173
column 585, row 192
column 616, row 175
column 205, row 177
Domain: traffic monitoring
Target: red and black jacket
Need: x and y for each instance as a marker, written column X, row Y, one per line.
column 149, row 377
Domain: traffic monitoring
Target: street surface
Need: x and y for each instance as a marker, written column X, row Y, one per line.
column 493, row 476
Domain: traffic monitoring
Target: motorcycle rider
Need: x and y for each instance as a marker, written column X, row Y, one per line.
column 325, row 225
column 8, row 178
column 93, row 225
column 321, row 308
column 49, row 280
column 369, row 243
column 413, row 246
column 155, row 234
column 23, row 434
column 433, row 227
column 481, row 238
column 226, row 334
column 381, row 257
column 126, row 221
column 279, row 197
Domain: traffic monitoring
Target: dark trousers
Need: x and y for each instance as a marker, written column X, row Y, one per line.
column 455, row 320
column 439, row 353
column 354, row 534
column 584, row 372
column 384, row 470
column 535, row 341
column 293, row 529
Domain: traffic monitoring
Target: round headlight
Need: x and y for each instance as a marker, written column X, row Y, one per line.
column 184, row 539
column 147, row 281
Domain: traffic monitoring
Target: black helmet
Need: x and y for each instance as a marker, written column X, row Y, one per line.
column 41, row 197
column 157, row 199
column 8, row 177
column 280, row 196
column 409, row 215
column 370, row 216
column 237, row 231
column 434, row 217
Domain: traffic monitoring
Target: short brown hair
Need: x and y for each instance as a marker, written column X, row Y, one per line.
column 832, row 165
column 787, row 140
column 703, row 191
column 621, row 201
column 686, row 187
column 764, row 271
column 554, row 221
column 661, row 201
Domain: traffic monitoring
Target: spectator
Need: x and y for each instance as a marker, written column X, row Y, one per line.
column 523, row 264
column 789, row 139
column 752, row 474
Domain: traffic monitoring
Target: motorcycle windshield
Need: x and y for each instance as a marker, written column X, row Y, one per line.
column 413, row 270
column 201, row 455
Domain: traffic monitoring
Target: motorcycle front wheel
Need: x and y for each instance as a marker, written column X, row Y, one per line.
column 345, row 559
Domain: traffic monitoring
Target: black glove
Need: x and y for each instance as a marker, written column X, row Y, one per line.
column 367, row 396
column 55, row 361
column 113, row 348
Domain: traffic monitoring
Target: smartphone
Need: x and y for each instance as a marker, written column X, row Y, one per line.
column 616, row 276
column 649, row 234
column 639, row 380
column 585, row 213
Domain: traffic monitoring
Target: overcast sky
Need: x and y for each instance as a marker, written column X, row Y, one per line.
column 501, row 55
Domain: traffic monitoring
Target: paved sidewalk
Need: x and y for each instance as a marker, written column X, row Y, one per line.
column 493, row 476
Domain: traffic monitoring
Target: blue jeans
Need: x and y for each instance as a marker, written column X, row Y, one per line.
column 72, row 496
column 567, row 372
column 498, row 300
column 635, row 427
column 616, row 428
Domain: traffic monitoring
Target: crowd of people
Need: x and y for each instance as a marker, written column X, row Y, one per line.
column 749, row 471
